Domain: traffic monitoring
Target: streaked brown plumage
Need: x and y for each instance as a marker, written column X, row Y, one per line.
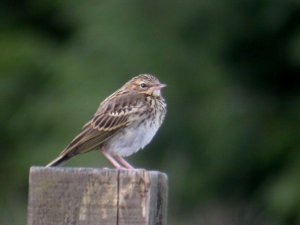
column 125, row 122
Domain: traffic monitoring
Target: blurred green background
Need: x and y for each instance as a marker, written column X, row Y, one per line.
column 231, row 139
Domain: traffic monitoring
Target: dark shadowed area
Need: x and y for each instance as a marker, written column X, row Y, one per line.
column 231, row 139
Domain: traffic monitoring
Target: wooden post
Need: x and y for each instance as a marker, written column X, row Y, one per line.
column 90, row 196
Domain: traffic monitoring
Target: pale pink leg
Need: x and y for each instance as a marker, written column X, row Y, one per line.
column 124, row 162
column 111, row 159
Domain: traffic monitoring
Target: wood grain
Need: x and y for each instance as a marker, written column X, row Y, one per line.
column 59, row 195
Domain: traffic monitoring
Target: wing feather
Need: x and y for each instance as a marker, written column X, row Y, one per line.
column 108, row 119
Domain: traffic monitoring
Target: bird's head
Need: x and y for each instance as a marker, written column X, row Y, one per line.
column 145, row 83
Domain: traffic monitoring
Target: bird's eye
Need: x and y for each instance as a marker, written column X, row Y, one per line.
column 143, row 85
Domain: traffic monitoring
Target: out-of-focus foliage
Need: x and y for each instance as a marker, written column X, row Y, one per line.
column 231, row 140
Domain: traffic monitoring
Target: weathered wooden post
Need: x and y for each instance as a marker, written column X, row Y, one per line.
column 61, row 195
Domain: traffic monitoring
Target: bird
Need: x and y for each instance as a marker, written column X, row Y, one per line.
column 125, row 122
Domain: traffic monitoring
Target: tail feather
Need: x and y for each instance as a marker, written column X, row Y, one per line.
column 58, row 161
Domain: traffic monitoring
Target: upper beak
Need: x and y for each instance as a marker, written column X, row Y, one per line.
column 160, row 86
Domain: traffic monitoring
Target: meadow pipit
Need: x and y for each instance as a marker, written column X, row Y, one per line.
column 125, row 122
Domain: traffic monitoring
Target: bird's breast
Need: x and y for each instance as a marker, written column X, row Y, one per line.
column 137, row 134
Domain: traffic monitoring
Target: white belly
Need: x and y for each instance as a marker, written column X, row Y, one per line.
column 131, row 139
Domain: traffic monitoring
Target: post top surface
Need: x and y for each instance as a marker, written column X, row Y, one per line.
column 92, row 170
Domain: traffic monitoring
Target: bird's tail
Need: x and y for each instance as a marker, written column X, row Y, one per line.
column 58, row 161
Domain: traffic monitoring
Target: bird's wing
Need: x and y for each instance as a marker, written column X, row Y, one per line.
column 109, row 118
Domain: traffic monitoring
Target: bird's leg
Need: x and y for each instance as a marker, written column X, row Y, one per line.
column 111, row 159
column 124, row 162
